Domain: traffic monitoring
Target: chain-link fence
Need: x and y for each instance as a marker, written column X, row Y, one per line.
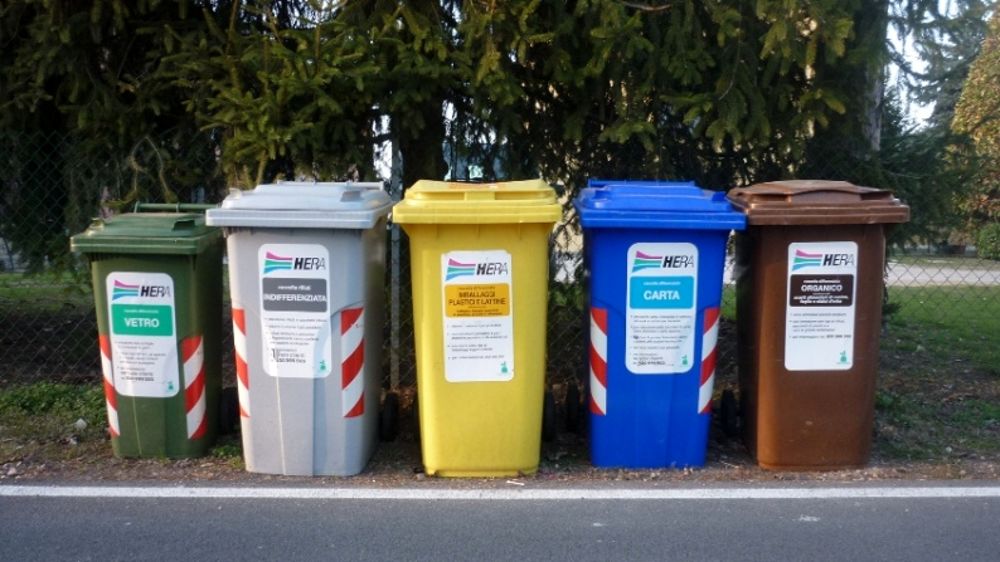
column 50, row 187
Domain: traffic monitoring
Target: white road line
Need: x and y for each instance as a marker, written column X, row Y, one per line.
column 155, row 492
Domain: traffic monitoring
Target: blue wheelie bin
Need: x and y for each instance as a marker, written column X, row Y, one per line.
column 655, row 253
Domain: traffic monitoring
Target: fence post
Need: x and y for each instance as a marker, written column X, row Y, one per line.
column 396, row 192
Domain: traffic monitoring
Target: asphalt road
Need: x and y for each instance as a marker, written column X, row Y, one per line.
column 710, row 528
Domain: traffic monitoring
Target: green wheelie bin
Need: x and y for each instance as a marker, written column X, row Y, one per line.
column 158, row 295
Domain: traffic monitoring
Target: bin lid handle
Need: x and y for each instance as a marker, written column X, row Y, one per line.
column 184, row 224
column 173, row 207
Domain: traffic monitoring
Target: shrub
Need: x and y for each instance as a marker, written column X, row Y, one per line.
column 988, row 242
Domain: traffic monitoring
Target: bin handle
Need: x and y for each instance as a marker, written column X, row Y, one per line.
column 174, row 207
column 184, row 224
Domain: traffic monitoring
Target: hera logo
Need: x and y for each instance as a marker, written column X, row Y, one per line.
column 124, row 290
column 646, row 261
column 274, row 262
column 459, row 269
column 806, row 259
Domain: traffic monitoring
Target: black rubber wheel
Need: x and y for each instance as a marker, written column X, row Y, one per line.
column 729, row 416
column 549, row 417
column 573, row 408
column 229, row 411
column 388, row 426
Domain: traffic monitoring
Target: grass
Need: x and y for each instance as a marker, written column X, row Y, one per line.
column 42, row 420
column 947, row 325
column 939, row 387
column 728, row 302
column 43, row 293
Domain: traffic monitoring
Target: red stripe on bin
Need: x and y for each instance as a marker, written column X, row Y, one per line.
column 348, row 317
column 600, row 316
column 240, row 320
column 707, row 367
column 711, row 317
column 105, row 344
column 188, row 347
column 109, row 395
column 351, row 367
column 202, row 427
column 598, row 366
column 358, row 408
column 241, row 372
column 193, row 392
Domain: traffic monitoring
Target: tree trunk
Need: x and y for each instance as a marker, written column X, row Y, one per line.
column 856, row 134
column 422, row 150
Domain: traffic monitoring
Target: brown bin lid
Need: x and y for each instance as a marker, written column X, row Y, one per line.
column 817, row 202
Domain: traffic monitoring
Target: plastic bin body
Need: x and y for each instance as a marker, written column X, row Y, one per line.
column 809, row 307
column 480, row 407
column 655, row 253
column 307, row 266
column 157, row 281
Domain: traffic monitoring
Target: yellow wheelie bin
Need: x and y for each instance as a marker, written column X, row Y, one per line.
column 479, row 261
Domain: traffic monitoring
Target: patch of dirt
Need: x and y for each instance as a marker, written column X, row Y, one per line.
column 564, row 462
column 398, row 465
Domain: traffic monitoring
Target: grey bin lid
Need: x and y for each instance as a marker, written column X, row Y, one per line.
column 346, row 205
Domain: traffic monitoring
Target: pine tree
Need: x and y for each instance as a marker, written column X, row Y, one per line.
column 946, row 42
column 977, row 115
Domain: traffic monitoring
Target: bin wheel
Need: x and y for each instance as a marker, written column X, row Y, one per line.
column 549, row 417
column 229, row 411
column 572, row 408
column 729, row 414
column 388, row 425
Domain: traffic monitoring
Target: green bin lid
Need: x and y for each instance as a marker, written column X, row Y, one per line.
column 147, row 233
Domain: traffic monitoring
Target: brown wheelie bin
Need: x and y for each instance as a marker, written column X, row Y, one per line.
column 809, row 307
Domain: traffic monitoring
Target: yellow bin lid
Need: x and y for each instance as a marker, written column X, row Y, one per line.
column 509, row 202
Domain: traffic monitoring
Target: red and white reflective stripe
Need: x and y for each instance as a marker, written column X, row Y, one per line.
column 193, row 355
column 709, row 338
column 599, row 361
column 110, row 398
column 240, row 344
column 352, row 361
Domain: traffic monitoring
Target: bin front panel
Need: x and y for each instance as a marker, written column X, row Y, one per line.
column 480, row 357
column 307, row 310
column 654, row 306
column 159, row 320
column 815, row 409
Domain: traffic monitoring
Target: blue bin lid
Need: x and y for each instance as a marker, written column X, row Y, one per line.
column 655, row 204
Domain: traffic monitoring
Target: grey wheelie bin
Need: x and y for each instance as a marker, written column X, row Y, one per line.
column 306, row 263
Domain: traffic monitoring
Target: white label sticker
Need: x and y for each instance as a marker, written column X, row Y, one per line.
column 143, row 333
column 662, row 286
column 478, row 316
column 295, row 310
column 819, row 318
